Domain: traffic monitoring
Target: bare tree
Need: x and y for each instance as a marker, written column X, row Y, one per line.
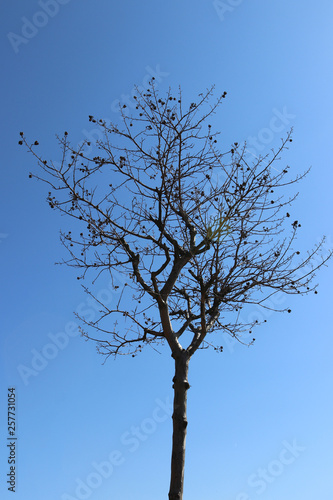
column 197, row 234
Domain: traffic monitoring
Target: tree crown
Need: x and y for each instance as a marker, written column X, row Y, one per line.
column 197, row 233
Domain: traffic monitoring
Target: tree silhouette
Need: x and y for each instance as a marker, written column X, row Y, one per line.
column 197, row 234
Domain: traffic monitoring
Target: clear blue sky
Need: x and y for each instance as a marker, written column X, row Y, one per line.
column 260, row 418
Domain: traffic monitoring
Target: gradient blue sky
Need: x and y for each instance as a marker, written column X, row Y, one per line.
column 247, row 405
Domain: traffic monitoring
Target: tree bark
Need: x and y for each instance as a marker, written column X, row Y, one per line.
column 179, row 418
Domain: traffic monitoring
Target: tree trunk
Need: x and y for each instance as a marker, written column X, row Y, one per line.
column 180, row 386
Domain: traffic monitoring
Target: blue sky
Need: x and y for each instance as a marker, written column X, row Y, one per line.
column 259, row 418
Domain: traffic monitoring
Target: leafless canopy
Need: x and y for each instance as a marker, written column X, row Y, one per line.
column 196, row 233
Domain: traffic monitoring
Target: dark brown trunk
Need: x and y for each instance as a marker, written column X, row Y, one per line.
column 180, row 386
